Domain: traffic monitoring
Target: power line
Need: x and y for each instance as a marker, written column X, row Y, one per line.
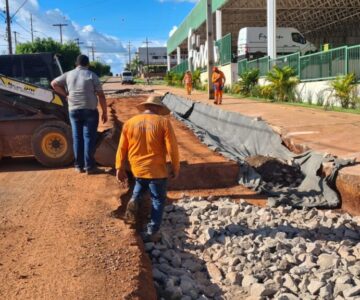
column 61, row 25
column 19, row 9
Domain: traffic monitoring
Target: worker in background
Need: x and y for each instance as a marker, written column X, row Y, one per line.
column 188, row 82
column 218, row 80
column 82, row 88
column 145, row 141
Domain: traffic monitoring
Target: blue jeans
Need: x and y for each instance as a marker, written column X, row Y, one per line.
column 84, row 124
column 157, row 189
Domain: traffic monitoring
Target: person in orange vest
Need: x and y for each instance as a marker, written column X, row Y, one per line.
column 218, row 80
column 188, row 82
column 146, row 140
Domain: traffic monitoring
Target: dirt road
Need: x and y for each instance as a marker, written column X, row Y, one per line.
column 58, row 242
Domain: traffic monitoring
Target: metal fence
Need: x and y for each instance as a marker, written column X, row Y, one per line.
column 291, row 60
column 182, row 68
column 224, row 46
column 324, row 65
column 353, row 58
column 261, row 63
column 242, row 66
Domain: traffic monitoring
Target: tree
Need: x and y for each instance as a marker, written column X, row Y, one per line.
column 100, row 69
column 282, row 81
column 67, row 52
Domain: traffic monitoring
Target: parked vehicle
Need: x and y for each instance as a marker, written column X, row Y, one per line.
column 252, row 42
column 127, row 77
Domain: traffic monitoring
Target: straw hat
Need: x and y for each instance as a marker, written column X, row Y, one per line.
column 154, row 101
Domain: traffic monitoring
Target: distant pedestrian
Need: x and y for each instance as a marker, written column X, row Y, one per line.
column 218, row 80
column 145, row 141
column 188, row 81
column 83, row 89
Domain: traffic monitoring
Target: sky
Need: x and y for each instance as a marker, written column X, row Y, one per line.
column 109, row 25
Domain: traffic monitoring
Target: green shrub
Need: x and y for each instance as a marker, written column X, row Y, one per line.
column 248, row 80
column 235, row 88
column 267, row 92
column 282, row 81
column 169, row 77
column 344, row 87
column 196, row 78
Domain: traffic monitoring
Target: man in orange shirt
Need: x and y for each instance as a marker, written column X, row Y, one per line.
column 218, row 80
column 144, row 143
column 188, row 82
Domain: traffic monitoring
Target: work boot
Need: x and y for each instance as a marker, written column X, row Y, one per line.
column 79, row 170
column 151, row 237
column 132, row 211
column 94, row 171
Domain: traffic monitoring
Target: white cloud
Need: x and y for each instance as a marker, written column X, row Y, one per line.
column 107, row 48
column 172, row 31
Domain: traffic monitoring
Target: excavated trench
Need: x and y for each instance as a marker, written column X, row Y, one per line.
column 205, row 174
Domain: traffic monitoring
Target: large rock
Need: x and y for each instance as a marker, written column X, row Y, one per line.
column 352, row 292
column 214, row 272
column 315, row 286
column 248, row 280
column 326, row 261
column 262, row 290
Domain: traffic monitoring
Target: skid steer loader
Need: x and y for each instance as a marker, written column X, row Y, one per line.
column 34, row 119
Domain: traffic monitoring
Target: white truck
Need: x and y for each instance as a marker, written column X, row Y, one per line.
column 252, row 42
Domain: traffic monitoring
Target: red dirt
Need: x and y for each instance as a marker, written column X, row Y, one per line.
column 58, row 242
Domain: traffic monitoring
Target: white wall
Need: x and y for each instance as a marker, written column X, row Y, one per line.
column 230, row 72
column 314, row 92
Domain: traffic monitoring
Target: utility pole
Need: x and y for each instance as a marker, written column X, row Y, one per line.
column 92, row 51
column 31, row 28
column 61, row 25
column 15, row 38
column 210, row 43
column 129, row 48
column 8, row 27
column 77, row 41
column 147, row 56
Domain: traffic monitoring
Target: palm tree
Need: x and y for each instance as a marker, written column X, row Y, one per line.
column 283, row 82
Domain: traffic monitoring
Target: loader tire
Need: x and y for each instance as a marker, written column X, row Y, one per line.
column 52, row 144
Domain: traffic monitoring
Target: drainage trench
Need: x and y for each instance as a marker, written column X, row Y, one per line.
column 214, row 247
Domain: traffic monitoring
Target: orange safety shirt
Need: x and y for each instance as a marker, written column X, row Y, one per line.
column 144, row 142
column 188, row 79
column 218, row 78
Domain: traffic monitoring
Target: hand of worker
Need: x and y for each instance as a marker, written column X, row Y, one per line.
column 122, row 178
column 104, row 117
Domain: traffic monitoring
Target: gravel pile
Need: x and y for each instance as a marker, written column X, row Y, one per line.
column 223, row 250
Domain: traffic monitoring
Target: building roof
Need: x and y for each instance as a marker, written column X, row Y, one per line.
column 334, row 21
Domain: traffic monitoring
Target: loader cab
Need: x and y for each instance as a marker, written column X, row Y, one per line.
column 39, row 69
